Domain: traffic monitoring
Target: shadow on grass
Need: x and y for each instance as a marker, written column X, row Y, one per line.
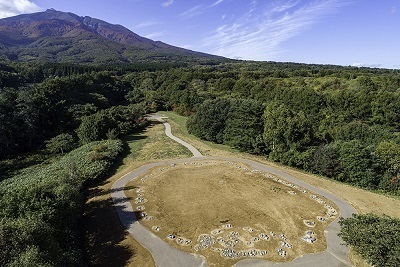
column 95, row 191
column 127, row 149
column 105, row 234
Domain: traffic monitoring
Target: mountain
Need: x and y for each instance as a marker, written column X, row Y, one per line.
column 65, row 37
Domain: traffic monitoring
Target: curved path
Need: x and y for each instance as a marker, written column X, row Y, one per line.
column 166, row 256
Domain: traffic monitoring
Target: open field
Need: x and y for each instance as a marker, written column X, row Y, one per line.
column 363, row 201
column 232, row 205
column 132, row 253
column 106, row 239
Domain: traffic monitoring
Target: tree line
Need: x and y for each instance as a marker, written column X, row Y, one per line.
column 340, row 122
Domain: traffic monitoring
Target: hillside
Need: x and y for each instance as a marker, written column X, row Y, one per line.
column 65, row 37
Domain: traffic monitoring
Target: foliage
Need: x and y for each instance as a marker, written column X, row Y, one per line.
column 341, row 122
column 375, row 238
column 39, row 208
column 244, row 126
column 61, row 143
column 119, row 119
column 234, row 122
column 327, row 119
column 210, row 121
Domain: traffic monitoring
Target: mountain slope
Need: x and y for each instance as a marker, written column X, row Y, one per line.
column 65, row 37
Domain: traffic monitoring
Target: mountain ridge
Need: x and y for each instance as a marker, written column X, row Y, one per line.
column 63, row 36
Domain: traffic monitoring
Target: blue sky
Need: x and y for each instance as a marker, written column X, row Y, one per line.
column 343, row 32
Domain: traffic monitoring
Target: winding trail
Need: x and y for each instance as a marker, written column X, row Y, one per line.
column 166, row 256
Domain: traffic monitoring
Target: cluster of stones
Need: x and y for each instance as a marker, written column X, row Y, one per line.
column 180, row 240
column 309, row 237
column 140, row 200
column 227, row 245
column 288, row 185
column 331, row 212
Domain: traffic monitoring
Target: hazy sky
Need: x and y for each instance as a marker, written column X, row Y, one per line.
column 344, row 32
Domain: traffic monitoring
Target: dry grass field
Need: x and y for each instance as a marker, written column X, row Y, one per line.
column 363, row 201
column 108, row 242
column 234, row 206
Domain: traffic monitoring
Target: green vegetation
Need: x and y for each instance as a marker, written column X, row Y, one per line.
column 375, row 238
column 40, row 208
column 340, row 122
column 60, row 144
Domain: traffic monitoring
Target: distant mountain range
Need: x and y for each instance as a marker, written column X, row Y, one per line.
column 65, row 37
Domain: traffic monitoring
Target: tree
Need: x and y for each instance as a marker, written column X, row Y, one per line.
column 389, row 153
column 210, row 121
column 376, row 239
column 326, row 160
column 244, row 126
column 358, row 164
column 284, row 129
column 90, row 129
column 275, row 117
column 61, row 143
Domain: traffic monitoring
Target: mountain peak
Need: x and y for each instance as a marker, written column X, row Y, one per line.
column 62, row 36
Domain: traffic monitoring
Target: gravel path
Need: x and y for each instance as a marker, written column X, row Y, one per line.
column 166, row 256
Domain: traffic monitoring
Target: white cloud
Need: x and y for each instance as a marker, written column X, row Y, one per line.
column 217, row 3
column 393, row 10
column 259, row 33
column 155, row 35
column 199, row 10
column 167, row 3
column 359, row 65
column 146, row 24
column 10, row 8
column 194, row 11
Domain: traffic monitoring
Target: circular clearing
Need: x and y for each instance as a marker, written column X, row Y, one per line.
column 227, row 213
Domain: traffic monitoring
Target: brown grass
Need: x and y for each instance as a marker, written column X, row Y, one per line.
column 107, row 242
column 363, row 201
column 105, row 246
column 190, row 200
column 357, row 260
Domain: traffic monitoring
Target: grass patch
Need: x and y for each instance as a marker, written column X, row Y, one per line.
column 153, row 145
column 225, row 194
column 356, row 259
column 106, row 240
column 178, row 125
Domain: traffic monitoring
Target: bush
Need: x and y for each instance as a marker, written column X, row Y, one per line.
column 61, row 143
column 376, row 239
column 39, row 208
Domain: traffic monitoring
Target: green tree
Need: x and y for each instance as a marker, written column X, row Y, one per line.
column 244, row 126
column 210, row 120
column 376, row 239
column 389, row 153
column 358, row 164
column 284, row 129
column 326, row 160
column 61, row 143
column 90, row 129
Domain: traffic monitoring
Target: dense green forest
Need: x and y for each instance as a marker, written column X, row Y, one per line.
column 376, row 238
column 340, row 122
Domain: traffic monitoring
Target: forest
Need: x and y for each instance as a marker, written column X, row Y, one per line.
column 339, row 122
